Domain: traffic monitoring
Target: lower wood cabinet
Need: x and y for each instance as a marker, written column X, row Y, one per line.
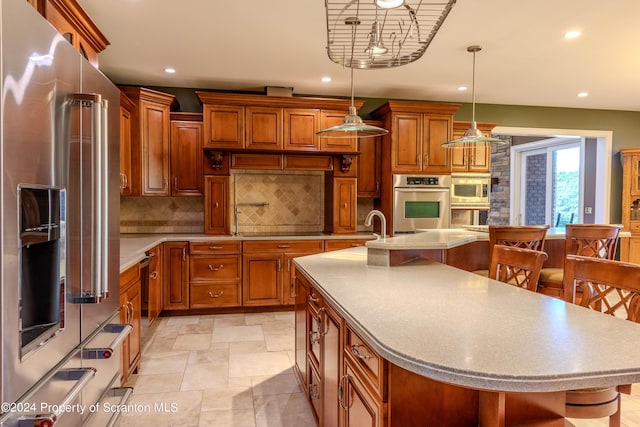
column 130, row 314
column 152, row 296
column 175, row 270
column 214, row 274
column 267, row 270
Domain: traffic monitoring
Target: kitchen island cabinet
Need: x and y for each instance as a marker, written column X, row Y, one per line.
column 509, row 364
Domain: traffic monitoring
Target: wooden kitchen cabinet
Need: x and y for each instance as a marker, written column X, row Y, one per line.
column 223, row 126
column 126, row 110
column 130, row 314
column 630, row 248
column 328, row 119
column 216, row 205
column 369, row 166
column 335, row 245
column 471, row 157
column 341, row 205
column 186, row 154
column 214, row 274
column 263, row 128
column 416, row 132
column 300, row 127
column 175, row 271
column 360, row 406
column 75, row 25
column 150, row 141
column 301, row 330
column 267, row 270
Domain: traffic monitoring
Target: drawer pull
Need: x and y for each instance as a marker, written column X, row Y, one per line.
column 355, row 349
column 215, row 248
column 218, row 268
column 153, row 275
column 218, row 295
column 284, row 246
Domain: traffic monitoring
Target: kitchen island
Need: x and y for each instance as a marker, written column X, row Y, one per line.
column 458, row 348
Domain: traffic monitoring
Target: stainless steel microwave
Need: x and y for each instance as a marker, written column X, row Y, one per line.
column 470, row 190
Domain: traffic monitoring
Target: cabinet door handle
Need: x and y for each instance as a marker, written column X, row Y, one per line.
column 289, row 264
column 218, row 268
column 218, row 295
column 216, row 205
column 355, row 349
column 321, row 314
column 153, row 275
column 278, row 265
column 313, row 298
column 175, row 183
column 184, row 254
column 284, row 246
column 215, row 248
column 341, row 392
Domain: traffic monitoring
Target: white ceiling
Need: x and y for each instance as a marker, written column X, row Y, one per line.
column 246, row 45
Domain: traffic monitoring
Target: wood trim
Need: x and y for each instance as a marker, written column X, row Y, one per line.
column 79, row 19
column 224, row 98
column 185, row 116
column 414, row 107
column 143, row 94
column 256, row 161
column 308, row 162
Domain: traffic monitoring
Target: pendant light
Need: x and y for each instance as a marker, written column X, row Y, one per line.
column 352, row 126
column 473, row 135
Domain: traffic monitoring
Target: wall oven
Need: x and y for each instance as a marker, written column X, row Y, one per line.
column 420, row 201
column 462, row 218
column 470, row 190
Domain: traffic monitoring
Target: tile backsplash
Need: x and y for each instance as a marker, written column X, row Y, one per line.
column 293, row 202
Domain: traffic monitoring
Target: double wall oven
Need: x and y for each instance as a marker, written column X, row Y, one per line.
column 420, row 201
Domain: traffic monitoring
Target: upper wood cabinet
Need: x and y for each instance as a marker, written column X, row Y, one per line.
column 223, row 126
column 630, row 248
column 416, row 131
column 70, row 19
column 186, row 154
column 271, row 123
column 216, row 205
column 369, row 166
column 471, row 157
column 150, row 132
column 126, row 112
column 340, row 206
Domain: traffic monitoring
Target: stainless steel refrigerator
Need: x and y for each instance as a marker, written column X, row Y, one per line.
column 60, row 229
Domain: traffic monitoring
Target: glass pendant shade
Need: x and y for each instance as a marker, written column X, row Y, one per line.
column 472, row 135
column 376, row 45
column 352, row 126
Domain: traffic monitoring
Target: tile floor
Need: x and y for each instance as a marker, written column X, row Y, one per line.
column 237, row 370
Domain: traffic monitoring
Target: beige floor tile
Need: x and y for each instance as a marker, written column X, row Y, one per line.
column 257, row 364
column 275, row 384
column 156, row 383
column 160, row 344
column 192, row 342
column 247, row 347
column 285, row 315
column 228, row 418
column 237, row 333
column 225, row 320
column 227, row 398
column 164, row 363
column 286, row 410
column 182, row 320
column 208, row 356
column 258, row 318
column 205, row 375
column 279, row 341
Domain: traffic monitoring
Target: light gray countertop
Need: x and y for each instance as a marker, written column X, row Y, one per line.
column 457, row 327
column 134, row 246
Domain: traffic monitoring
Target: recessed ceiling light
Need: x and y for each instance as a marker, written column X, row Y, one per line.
column 462, row 88
column 170, row 70
column 326, row 79
column 572, row 34
column 583, row 95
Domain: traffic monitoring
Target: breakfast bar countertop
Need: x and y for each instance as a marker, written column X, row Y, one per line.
column 464, row 329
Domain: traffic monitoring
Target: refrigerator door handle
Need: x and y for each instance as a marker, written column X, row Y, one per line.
column 98, row 289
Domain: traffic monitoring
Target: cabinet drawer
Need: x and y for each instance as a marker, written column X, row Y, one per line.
column 310, row 246
column 215, row 295
column 221, row 267
column 215, row 247
column 634, row 226
column 129, row 276
column 368, row 363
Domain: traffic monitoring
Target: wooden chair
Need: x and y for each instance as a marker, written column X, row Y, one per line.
column 592, row 240
column 516, row 266
column 528, row 237
column 613, row 288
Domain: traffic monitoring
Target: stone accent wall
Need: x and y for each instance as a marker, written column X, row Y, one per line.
column 500, row 169
column 536, row 172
